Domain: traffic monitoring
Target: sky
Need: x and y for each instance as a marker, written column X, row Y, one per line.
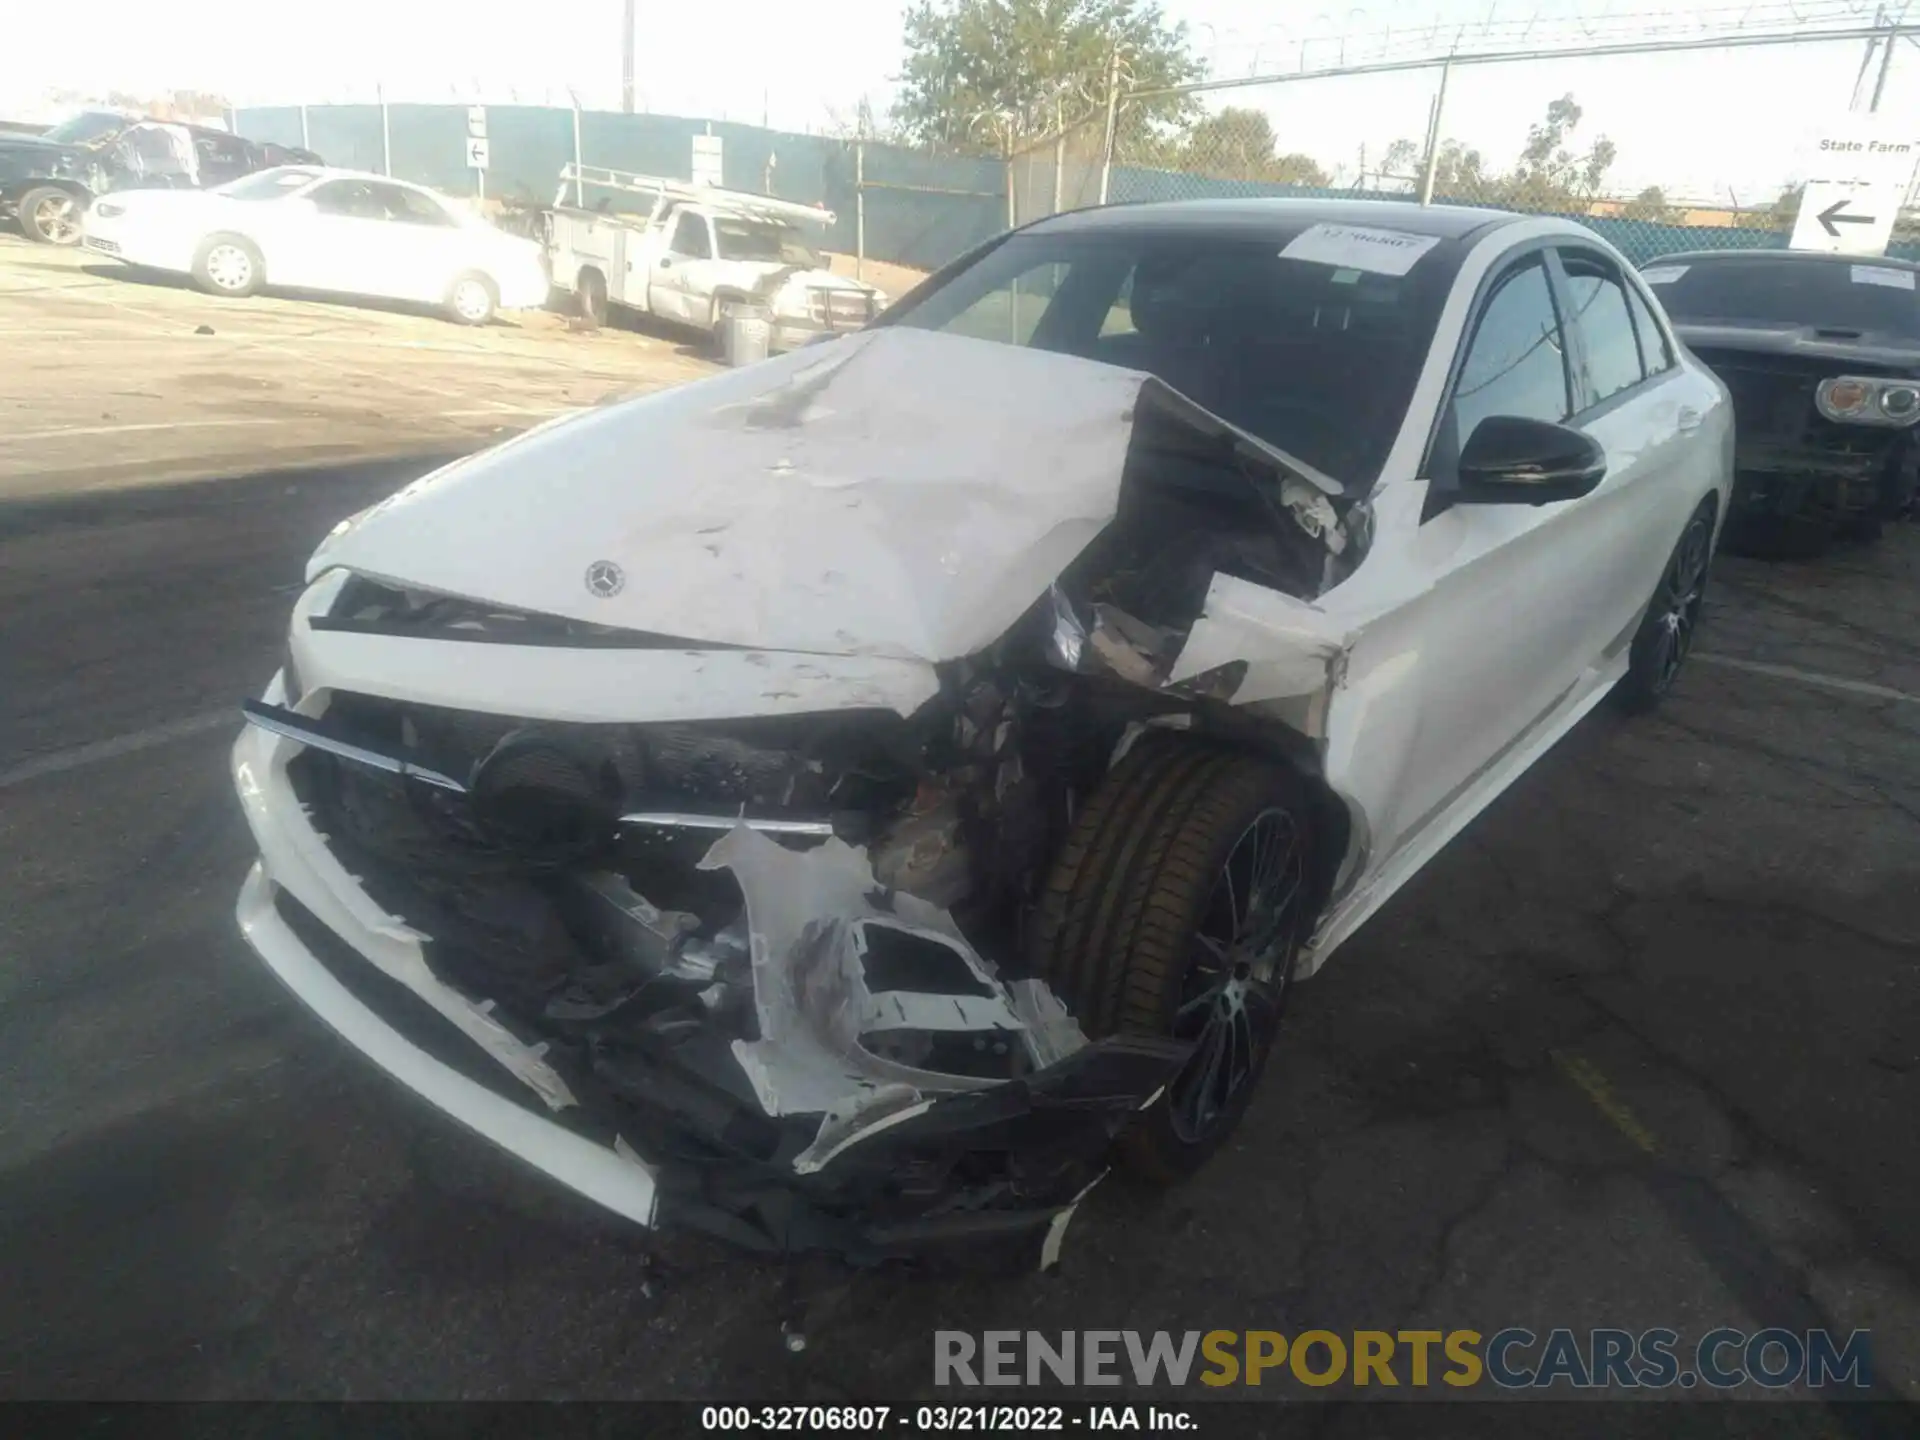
column 1714, row 125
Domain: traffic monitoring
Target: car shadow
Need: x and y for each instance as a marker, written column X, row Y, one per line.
column 173, row 280
column 686, row 340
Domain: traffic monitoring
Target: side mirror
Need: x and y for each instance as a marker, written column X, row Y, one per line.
column 1509, row 460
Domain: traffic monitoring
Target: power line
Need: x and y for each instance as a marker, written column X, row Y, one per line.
column 1430, row 60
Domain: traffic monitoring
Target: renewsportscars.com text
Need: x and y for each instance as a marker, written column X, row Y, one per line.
column 1512, row 1359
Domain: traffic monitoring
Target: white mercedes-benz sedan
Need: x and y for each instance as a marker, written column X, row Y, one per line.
column 849, row 802
column 309, row 227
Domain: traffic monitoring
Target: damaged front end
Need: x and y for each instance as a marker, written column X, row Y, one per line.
column 764, row 934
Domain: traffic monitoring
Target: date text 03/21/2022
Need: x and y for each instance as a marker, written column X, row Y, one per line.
column 929, row 1419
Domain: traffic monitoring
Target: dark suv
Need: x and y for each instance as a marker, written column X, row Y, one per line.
column 1822, row 356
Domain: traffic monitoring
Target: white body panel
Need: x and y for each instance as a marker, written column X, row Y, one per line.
column 859, row 513
column 303, row 247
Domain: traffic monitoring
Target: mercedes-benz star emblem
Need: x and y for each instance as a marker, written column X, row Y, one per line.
column 605, row 579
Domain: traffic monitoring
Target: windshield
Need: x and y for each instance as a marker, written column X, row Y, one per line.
column 86, row 128
column 1318, row 361
column 745, row 240
column 1761, row 289
column 267, row 184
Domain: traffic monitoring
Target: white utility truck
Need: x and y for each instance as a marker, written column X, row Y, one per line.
column 681, row 251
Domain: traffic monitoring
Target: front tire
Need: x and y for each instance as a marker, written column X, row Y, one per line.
column 1665, row 636
column 1177, row 907
column 229, row 265
column 472, row 300
column 50, row 215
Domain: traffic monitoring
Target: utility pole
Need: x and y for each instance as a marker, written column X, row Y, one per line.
column 1886, row 64
column 1113, row 115
column 1433, row 135
column 626, row 57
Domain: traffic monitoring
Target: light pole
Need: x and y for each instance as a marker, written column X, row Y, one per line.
column 626, row 57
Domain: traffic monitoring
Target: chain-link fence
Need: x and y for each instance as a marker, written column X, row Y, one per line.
column 1658, row 152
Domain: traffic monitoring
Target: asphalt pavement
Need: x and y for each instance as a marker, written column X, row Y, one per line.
column 1641, row 1048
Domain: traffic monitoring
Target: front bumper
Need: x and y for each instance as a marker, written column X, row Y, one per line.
column 295, row 858
column 366, row 974
column 1820, row 484
column 113, row 238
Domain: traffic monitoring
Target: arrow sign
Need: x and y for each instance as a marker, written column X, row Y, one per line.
column 1847, row 217
column 1831, row 217
column 477, row 152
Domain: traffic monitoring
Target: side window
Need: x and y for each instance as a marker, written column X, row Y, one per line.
column 1599, row 303
column 1516, row 362
column 1011, row 312
column 410, row 207
column 690, row 237
column 350, row 199
column 1656, row 354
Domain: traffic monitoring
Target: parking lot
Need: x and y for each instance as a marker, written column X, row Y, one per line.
column 117, row 378
column 1642, row 1048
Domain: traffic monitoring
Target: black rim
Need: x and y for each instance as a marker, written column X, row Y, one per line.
column 1677, row 610
column 1239, row 962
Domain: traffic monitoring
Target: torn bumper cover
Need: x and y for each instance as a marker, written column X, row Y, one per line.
column 838, row 1137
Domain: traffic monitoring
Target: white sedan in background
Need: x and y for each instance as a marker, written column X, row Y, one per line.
column 309, row 227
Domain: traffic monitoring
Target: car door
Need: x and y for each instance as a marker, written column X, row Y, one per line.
column 419, row 249
column 1642, row 410
column 677, row 273
column 1483, row 637
column 330, row 238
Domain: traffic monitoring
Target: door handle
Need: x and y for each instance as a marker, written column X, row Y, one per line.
column 1689, row 418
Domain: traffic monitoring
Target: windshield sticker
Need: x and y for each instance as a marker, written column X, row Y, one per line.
column 1356, row 247
column 1346, row 277
column 1662, row 274
column 1877, row 275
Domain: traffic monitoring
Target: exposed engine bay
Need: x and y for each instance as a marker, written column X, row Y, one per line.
column 789, row 958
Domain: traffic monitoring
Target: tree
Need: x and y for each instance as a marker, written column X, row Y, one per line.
column 993, row 76
column 1786, row 209
column 1651, row 204
column 1549, row 175
column 1239, row 144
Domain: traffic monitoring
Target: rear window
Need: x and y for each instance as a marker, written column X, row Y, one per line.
column 1314, row 358
column 1841, row 294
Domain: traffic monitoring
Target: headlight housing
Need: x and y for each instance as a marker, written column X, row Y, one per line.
column 1868, row 400
column 107, row 210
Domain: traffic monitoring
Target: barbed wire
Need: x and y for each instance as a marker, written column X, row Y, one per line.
column 1360, row 35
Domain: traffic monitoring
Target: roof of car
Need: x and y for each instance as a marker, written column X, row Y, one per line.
column 1280, row 217
column 1797, row 257
column 335, row 172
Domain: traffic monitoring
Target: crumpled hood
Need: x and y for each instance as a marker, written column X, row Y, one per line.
column 23, row 153
column 827, row 280
column 40, row 145
column 895, row 493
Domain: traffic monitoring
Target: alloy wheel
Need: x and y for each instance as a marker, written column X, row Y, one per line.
column 55, row 219
column 1238, row 970
column 1677, row 608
